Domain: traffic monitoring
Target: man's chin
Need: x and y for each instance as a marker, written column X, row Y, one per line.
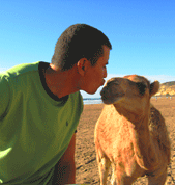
column 91, row 93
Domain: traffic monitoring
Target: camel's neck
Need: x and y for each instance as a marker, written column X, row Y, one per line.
column 143, row 145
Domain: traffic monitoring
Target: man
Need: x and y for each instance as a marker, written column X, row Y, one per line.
column 41, row 104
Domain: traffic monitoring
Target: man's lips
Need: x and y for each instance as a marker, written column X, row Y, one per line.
column 103, row 81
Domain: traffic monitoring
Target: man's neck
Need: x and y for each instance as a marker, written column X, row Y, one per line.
column 62, row 83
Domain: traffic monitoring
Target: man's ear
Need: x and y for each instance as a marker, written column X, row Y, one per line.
column 82, row 66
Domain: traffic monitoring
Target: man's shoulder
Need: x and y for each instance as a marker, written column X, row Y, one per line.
column 21, row 69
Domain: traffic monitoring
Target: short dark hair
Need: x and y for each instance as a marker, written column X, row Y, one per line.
column 76, row 42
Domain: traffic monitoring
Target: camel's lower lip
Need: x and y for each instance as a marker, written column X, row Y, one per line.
column 103, row 98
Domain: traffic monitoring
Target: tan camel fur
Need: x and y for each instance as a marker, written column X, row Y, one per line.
column 131, row 134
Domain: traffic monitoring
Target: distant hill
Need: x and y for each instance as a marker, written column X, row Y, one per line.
column 168, row 83
column 167, row 88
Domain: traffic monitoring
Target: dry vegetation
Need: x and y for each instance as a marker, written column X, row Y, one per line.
column 87, row 171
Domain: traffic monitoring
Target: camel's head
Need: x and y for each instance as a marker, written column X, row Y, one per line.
column 132, row 90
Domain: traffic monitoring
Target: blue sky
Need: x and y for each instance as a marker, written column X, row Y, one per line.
column 142, row 33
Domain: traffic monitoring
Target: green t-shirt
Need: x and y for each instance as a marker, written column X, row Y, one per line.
column 35, row 126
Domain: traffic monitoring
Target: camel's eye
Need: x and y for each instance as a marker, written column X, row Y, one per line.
column 142, row 88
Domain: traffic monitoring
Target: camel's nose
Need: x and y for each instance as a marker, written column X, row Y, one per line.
column 102, row 92
column 106, row 90
column 112, row 81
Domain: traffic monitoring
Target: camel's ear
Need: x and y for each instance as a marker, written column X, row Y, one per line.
column 154, row 87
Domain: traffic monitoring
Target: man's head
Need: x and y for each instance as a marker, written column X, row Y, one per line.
column 76, row 42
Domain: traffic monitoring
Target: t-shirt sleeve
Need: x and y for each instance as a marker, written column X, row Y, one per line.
column 4, row 96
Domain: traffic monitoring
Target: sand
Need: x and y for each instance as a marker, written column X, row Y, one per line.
column 87, row 171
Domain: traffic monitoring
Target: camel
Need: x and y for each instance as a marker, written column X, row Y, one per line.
column 131, row 134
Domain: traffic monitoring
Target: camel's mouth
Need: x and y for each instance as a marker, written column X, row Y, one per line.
column 110, row 98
